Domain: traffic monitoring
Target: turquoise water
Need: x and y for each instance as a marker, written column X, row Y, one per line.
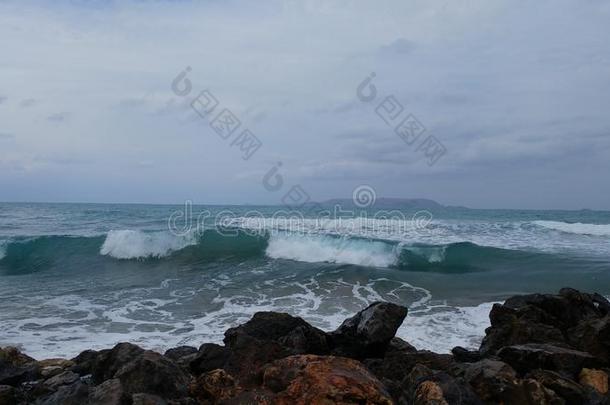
column 77, row 276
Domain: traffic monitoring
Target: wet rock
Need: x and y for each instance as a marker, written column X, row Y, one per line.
column 7, row 395
column 64, row 378
column 566, row 388
column 492, row 380
column 247, row 355
column 48, row 372
column 109, row 392
column 291, row 332
column 16, row 367
column 147, row 399
column 429, row 393
column 214, row 386
column 73, row 394
column 209, row 357
column 84, row 362
column 310, row 379
column 177, row 353
column 465, row 356
column 531, row 356
column 152, row 373
column 368, row 333
column 593, row 336
column 399, row 345
column 423, row 384
column 597, row 379
column 105, row 364
column 61, row 363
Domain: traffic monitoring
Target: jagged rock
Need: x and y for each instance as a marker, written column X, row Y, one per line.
column 423, row 384
column 399, row 345
column 16, row 367
column 214, row 386
column 542, row 318
column 290, row 332
column 7, row 395
column 429, row 393
column 61, row 363
column 74, row 394
column 147, row 399
column 152, row 373
column 569, row 390
column 64, row 378
column 311, row 379
column 597, row 379
column 536, row 393
column 465, row 356
column 50, row 371
column 368, row 333
column 593, row 336
column 177, row 353
column 84, row 362
column 209, row 357
column 110, row 392
column 524, row 358
column 107, row 362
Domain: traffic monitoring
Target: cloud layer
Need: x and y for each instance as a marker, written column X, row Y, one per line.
column 515, row 91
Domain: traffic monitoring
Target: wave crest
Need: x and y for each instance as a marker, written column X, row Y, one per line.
column 128, row 244
column 576, row 228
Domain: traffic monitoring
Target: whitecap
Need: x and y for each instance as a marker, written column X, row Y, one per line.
column 576, row 228
column 129, row 244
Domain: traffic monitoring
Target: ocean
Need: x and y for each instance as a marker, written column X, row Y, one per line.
column 82, row 276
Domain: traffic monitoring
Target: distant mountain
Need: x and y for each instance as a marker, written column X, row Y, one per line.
column 390, row 203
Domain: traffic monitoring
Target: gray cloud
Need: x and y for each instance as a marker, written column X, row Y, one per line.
column 28, row 102
column 58, row 117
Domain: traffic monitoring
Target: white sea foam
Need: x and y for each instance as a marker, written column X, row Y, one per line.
column 3, row 245
column 577, row 228
column 128, row 244
column 316, row 248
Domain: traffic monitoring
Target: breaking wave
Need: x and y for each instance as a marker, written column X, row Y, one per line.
column 576, row 228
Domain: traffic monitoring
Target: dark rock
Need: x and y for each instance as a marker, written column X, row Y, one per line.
column 399, row 345
column 569, row 390
column 310, row 379
column 152, row 373
column 524, row 358
column 209, row 357
column 16, row 367
column 65, row 378
column 593, row 336
column 368, row 333
column 291, row 332
column 464, row 355
column 423, row 385
column 147, row 399
column 107, row 362
column 177, row 353
column 109, row 392
column 73, row 394
column 7, row 395
column 84, row 362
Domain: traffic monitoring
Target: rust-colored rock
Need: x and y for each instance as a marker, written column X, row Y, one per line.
column 311, row 379
column 429, row 393
column 594, row 378
column 216, row 385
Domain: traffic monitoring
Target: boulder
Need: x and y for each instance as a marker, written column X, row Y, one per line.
column 84, row 362
column 214, row 386
column 110, row 392
column 429, row 393
column 105, row 364
column 16, row 367
column 64, row 378
column 152, row 373
column 368, row 333
column 593, row 336
column 311, row 379
column 568, row 389
column 464, row 355
column 7, row 395
column 596, row 379
column 293, row 333
column 209, row 357
column 524, row 358
column 76, row 393
column 177, row 353
column 423, row 385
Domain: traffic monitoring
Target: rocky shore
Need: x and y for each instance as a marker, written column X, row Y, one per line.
column 539, row 349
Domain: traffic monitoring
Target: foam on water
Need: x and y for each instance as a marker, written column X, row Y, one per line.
column 3, row 245
column 129, row 244
column 314, row 248
column 576, row 228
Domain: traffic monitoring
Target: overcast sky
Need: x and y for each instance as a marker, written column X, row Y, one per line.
column 518, row 92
